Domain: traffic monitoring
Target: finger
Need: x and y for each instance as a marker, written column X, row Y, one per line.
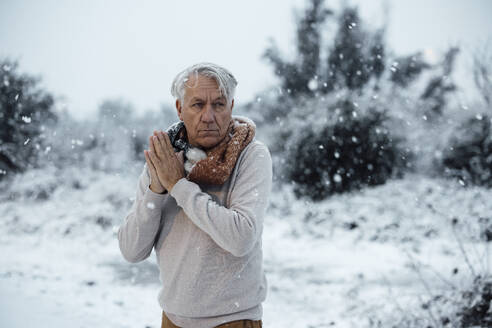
column 156, row 133
column 160, row 147
column 155, row 160
column 157, row 148
column 151, row 144
column 165, row 146
column 152, row 141
column 150, row 165
column 167, row 142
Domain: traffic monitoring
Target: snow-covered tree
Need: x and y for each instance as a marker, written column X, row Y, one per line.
column 406, row 69
column 356, row 55
column 297, row 75
column 440, row 85
column 25, row 111
column 482, row 74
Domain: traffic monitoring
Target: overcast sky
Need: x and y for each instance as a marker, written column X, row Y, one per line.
column 87, row 51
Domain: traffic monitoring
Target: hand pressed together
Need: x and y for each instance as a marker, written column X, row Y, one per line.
column 165, row 166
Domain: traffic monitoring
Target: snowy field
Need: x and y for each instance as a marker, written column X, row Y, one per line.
column 348, row 261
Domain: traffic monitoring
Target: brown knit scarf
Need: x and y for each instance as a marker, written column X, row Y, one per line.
column 216, row 168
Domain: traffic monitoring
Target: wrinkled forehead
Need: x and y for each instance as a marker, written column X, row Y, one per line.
column 202, row 87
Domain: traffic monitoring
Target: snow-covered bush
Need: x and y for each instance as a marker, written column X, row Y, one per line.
column 98, row 143
column 358, row 66
column 469, row 153
column 349, row 149
column 455, row 306
column 25, row 111
column 476, row 311
column 113, row 141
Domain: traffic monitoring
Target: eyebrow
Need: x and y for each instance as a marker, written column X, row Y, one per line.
column 196, row 99
column 222, row 98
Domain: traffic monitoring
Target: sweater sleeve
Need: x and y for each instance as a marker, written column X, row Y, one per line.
column 235, row 229
column 137, row 234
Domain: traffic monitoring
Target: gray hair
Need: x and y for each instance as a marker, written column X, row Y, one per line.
column 226, row 81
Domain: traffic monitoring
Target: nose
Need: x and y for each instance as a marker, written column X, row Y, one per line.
column 208, row 115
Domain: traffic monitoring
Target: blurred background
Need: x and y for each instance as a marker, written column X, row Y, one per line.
column 377, row 115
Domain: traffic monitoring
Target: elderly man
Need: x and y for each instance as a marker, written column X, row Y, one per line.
column 200, row 203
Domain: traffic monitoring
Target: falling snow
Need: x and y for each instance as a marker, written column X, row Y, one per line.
column 26, row 119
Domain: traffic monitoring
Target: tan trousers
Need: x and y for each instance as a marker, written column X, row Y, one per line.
column 166, row 323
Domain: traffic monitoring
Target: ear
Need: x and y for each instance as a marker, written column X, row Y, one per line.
column 179, row 109
column 232, row 104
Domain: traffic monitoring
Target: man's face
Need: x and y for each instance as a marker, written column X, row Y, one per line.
column 205, row 112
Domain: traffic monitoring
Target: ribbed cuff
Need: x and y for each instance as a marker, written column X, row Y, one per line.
column 153, row 200
column 181, row 189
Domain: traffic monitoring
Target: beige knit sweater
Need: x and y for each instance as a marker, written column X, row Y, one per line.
column 207, row 240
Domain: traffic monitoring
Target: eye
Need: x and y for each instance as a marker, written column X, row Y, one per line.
column 197, row 105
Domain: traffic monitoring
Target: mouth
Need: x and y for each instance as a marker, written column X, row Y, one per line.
column 208, row 132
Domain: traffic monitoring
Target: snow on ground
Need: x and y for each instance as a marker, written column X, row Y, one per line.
column 337, row 263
